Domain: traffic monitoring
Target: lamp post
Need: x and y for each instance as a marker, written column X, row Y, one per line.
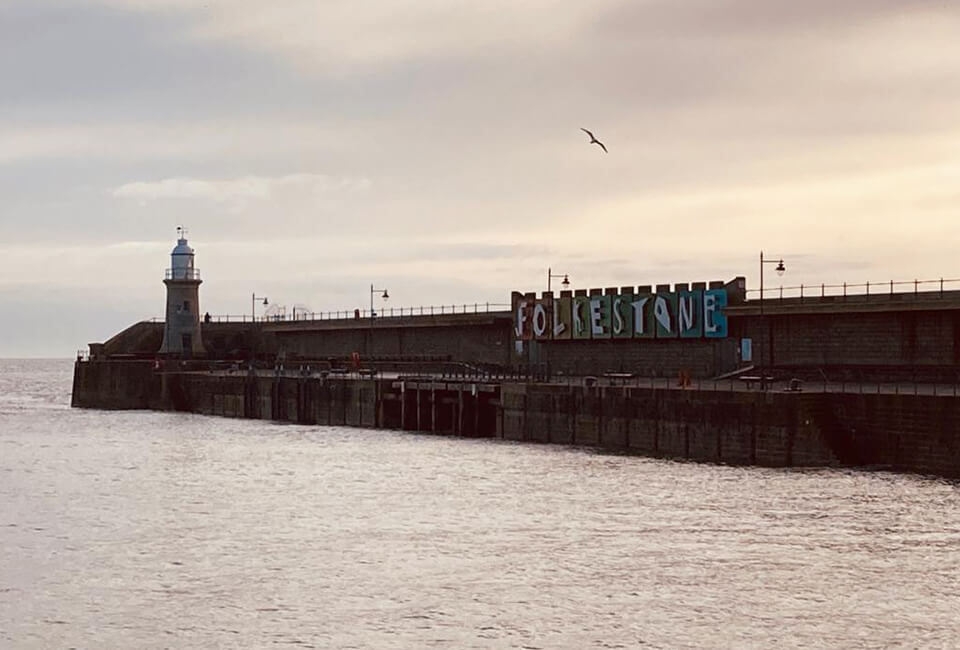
column 385, row 296
column 780, row 269
column 253, row 304
column 551, row 275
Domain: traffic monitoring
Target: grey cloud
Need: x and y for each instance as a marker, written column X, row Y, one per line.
column 744, row 123
column 718, row 19
column 93, row 64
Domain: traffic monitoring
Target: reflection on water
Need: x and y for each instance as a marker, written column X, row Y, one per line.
column 139, row 529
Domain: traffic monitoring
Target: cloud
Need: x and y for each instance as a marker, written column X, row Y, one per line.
column 223, row 139
column 238, row 191
column 733, row 125
column 343, row 36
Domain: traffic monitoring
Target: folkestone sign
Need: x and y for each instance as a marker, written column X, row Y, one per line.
column 663, row 315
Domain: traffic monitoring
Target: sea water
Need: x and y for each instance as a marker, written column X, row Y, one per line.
column 166, row 530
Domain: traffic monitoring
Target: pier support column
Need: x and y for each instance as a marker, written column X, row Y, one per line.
column 476, row 410
column 459, row 410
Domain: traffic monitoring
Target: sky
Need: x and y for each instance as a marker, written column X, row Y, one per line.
column 315, row 147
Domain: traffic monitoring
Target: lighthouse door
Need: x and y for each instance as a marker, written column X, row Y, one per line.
column 187, row 340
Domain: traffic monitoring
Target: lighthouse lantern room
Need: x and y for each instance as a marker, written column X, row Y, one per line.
column 181, row 331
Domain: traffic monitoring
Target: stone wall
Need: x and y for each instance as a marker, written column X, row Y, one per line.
column 912, row 433
column 116, row 385
column 478, row 343
column 482, row 338
column 915, row 433
column 644, row 357
column 892, row 337
column 870, row 338
column 735, row 427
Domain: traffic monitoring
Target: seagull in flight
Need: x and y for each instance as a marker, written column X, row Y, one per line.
column 593, row 139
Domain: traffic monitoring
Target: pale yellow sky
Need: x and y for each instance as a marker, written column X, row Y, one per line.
column 315, row 147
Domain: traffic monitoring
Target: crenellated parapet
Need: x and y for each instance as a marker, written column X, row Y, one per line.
column 683, row 311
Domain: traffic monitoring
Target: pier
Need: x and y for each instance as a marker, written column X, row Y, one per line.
column 898, row 427
column 695, row 371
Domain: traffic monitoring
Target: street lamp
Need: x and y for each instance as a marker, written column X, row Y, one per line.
column 253, row 304
column 780, row 271
column 385, row 296
column 551, row 276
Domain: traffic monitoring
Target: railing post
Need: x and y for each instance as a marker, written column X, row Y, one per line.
column 941, row 287
column 868, row 290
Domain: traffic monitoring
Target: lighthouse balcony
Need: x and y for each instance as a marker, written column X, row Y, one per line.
column 182, row 274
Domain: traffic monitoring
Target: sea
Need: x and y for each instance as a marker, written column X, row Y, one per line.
column 136, row 529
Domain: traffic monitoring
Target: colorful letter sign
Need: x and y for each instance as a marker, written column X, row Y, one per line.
column 693, row 314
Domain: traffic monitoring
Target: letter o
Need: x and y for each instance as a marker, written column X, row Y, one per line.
column 539, row 320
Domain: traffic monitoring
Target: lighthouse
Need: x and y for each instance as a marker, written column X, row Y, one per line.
column 181, row 331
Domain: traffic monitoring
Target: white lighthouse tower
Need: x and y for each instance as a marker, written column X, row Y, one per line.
column 181, row 331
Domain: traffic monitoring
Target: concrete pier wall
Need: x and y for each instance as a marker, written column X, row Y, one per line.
column 775, row 429
column 901, row 337
column 913, row 433
column 117, row 385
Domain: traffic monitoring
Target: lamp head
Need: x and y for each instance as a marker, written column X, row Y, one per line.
column 265, row 303
column 386, row 296
column 566, row 281
column 780, row 268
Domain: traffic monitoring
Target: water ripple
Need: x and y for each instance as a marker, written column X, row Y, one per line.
column 139, row 529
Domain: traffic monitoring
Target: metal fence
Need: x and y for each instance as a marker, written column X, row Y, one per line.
column 934, row 389
column 926, row 288
column 181, row 274
column 361, row 314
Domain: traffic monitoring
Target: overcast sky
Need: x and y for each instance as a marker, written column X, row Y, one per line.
column 313, row 147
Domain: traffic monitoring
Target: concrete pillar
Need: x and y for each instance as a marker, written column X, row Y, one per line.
column 459, row 430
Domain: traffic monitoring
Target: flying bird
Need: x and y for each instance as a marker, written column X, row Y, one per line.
column 593, row 139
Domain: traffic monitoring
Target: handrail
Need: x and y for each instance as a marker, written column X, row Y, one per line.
column 361, row 315
column 866, row 289
column 181, row 274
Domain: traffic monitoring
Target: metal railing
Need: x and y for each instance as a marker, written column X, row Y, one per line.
column 866, row 290
column 449, row 370
column 181, row 274
column 932, row 389
column 364, row 314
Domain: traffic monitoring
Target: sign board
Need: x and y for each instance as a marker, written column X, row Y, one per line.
column 696, row 314
column 746, row 350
